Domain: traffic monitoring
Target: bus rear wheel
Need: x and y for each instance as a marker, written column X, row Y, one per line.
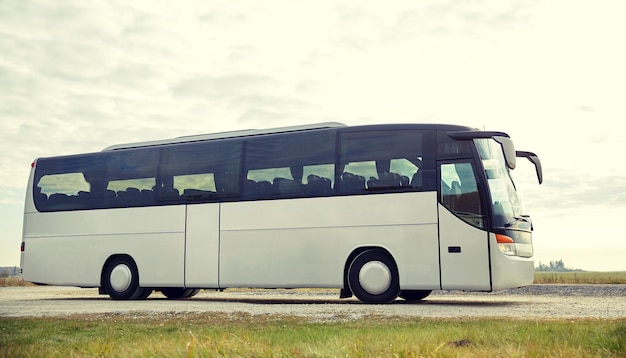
column 373, row 277
column 175, row 292
column 121, row 280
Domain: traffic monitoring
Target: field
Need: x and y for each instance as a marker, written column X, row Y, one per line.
column 226, row 335
column 213, row 334
column 580, row 277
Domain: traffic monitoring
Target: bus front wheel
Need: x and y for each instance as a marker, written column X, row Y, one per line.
column 415, row 295
column 121, row 280
column 174, row 292
column 373, row 277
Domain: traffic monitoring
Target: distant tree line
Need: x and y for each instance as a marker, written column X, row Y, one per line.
column 9, row 271
column 555, row 266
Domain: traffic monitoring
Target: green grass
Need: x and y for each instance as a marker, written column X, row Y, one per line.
column 580, row 277
column 226, row 335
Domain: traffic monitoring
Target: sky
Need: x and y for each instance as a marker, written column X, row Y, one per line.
column 78, row 76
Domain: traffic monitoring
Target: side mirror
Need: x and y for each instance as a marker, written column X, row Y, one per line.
column 533, row 158
column 509, row 150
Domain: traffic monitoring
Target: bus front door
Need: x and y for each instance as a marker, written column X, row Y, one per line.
column 463, row 243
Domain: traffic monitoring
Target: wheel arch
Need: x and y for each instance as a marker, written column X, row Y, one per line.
column 346, row 291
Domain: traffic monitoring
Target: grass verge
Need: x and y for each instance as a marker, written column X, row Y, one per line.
column 13, row 282
column 240, row 334
column 580, row 277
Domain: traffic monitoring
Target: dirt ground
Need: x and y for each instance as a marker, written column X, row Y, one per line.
column 535, row 302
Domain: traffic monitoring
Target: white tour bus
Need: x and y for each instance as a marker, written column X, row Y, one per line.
column 377, row 211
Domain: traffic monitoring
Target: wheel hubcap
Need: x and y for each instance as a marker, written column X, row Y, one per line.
column 120, row 278
column 375, row 277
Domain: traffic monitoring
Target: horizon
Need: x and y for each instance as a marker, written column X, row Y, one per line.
column 81, row 76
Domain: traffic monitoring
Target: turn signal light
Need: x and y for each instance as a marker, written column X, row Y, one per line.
column 506, row 245
column 503, row 239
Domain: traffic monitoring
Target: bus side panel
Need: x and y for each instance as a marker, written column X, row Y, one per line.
column 70, row 248
column 306, row 242
column 202, row 245
column 464, row 254
column 315, row 257
column 81, row 259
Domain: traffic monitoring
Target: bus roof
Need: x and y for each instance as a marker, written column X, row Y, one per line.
column 307, row 127
column 230, row 134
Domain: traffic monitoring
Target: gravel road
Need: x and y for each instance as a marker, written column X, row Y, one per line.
column 535, row 302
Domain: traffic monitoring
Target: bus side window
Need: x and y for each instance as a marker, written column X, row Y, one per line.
column 263, row 183
column 63, row 192
column 130, row 192
column 195, row 186
column 318, row 179
column 200, row 172
column 354, row 176
column 279, row 166
column 351, row 183
column 389, row 161
column 459, row 192
column 318, row 186
column 39, row 197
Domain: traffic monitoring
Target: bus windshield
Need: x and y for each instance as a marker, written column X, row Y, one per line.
column 508, row 208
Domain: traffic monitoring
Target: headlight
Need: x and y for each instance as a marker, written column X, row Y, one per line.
column 506, row 245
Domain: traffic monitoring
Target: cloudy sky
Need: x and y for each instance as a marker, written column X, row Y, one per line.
column 78, row 76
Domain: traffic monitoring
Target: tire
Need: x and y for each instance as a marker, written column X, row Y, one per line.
column 121, row 280
column 147, row 292
column 176, row 292
column 373, row 277
column 414, row 295
column 194, row 292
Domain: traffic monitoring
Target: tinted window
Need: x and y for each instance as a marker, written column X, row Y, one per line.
column 131, row 175
column 459, row 192
column 200, row 171
column 300, row 164
column 98, row 180
column 70, row 182
column 386, row 161
column 294, row 165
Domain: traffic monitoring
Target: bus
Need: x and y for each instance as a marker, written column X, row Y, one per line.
column 376, row 211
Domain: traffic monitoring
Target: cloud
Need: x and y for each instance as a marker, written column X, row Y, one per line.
column 486, row 19
column 220, row 87
column 571, row 190
column 79, row 76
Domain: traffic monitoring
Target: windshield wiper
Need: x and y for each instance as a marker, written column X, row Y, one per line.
column 524, row 218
